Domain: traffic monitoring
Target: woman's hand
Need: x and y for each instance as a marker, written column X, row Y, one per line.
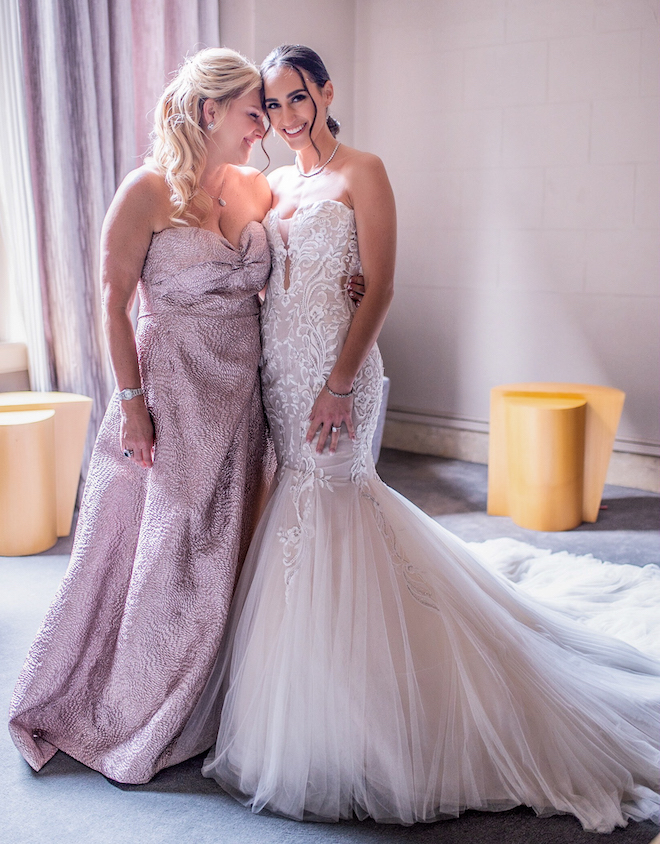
column 137, row 432
column 356, row 289
column 326, row 419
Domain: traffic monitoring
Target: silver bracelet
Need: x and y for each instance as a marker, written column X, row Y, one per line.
column 128, row 393
column 339, row 395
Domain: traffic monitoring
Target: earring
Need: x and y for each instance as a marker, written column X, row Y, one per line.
column 210, row 126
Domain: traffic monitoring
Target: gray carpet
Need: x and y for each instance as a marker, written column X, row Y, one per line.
column 454, row 493
column 66, row 803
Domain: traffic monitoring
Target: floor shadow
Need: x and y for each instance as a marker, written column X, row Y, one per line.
column 62, row 765
column 184, row 778
column 519, row 825
column 629, row 513
column 62, row 546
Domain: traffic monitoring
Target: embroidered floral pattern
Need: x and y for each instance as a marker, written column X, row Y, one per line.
column 304, row 328
column 303, row 331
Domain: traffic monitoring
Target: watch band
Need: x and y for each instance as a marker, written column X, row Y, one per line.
column 129, row 393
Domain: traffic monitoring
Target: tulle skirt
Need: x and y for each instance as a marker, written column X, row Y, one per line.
column 375, row 667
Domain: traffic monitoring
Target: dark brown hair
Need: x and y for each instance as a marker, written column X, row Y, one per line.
column 299, row 58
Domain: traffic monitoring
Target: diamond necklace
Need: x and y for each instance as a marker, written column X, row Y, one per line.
column 321, row 168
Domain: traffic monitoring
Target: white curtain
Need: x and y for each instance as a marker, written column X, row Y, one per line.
column 23, row 317
column 93, row 69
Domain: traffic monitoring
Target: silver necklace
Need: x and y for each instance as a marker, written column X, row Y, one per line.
column 219, row 199
column 321, row 168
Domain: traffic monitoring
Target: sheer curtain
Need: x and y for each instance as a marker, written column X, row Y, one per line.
column 22, row 317
column 93, row 71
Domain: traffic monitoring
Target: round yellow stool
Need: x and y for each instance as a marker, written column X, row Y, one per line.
column 603, row 411
column 28, row 508
column 71, row 419
column 545, row 451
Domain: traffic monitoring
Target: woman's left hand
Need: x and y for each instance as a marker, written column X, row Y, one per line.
column 326, row 419
column 355, row 289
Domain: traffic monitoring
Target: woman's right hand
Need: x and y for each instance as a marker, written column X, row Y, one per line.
column 137, row 432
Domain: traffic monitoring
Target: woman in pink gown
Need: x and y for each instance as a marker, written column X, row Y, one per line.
column 183, row 456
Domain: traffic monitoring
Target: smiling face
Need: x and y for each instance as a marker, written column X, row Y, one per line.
column 291, row 108
column 239, row 129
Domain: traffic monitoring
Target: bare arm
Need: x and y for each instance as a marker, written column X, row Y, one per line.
column 375, row 217
column 263, row 199
column 137, row 210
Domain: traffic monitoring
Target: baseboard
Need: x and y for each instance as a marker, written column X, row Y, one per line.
column 13, row 367
column 639, row 471
column 12, row 382
column 441, row 441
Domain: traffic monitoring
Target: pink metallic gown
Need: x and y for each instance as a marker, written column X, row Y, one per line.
column 130, row 639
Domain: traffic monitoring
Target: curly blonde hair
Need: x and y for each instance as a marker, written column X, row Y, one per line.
column 178, row 146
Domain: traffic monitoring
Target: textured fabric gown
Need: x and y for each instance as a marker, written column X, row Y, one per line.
column 373, row 666
column 134, row 630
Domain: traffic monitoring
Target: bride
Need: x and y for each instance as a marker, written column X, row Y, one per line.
column 373, row 666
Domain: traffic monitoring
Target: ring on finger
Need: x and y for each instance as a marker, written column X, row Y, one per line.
column 335, row 429
column 128, row 452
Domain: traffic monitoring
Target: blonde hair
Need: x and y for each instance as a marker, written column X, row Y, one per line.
column 178, row 147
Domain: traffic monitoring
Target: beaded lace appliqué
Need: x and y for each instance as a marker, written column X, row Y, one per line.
column 303, row 331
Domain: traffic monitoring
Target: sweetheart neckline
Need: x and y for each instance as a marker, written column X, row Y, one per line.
column 276, row 231
column 310, row 205
column 217, row 235
column 295, row 213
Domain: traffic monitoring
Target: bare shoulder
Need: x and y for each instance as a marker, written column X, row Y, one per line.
column 256, row 184
column 145, row 182
column 144, row 190
column 250, row 176
column 356, row 160
column 142, row 201
column 357, row 164
column 365, row 175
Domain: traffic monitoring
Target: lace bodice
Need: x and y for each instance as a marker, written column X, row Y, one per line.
column 304, row 327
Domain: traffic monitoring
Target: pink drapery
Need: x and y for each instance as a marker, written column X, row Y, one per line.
column 93, row 72
column 164, row 32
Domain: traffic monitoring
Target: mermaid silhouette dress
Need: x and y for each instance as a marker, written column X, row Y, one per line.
column 372, row 665
column 134, row 630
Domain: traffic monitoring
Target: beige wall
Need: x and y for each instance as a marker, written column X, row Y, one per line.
column 521, row 138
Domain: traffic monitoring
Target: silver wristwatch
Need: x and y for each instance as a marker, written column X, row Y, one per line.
column 127, row 394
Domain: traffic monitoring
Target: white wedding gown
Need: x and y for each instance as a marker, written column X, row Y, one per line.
column 373, row 666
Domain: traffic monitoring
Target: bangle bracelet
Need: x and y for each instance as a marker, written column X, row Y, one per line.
column 339, row 395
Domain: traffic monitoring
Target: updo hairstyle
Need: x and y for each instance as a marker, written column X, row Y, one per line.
column 299, row 58
column 178, row 136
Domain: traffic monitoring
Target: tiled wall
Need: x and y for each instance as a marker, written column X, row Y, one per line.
column 521, row 137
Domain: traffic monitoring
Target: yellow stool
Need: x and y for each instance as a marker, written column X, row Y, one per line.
column 602, row 413
column 545, row 449
column 28, row 511
column 71, row 420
